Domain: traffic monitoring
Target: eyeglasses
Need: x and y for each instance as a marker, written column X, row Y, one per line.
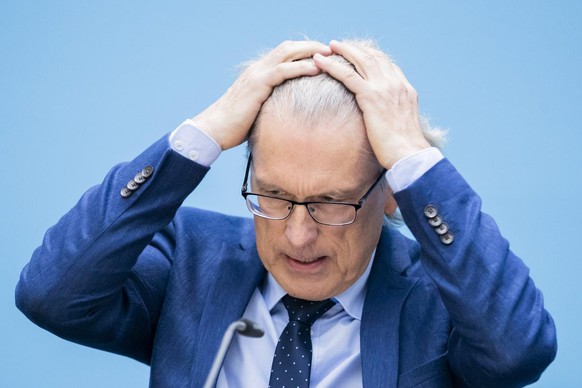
column 326, row 213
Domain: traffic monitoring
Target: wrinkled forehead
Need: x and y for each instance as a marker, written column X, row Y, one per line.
column 282, row 145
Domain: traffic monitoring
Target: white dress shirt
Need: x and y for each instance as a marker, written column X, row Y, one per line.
column 335, row 338
column 336, row 334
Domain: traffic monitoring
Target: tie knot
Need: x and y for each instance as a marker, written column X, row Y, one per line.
column 305, row 311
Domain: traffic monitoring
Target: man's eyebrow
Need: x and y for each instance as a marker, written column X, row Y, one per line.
column 266, row 186
column 343, row 194
column 337, row 194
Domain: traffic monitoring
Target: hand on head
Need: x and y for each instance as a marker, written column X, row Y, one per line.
column 229, row 119
column 388, row 102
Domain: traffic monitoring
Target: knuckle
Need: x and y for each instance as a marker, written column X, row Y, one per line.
column 374, row 57
column 278, row 71
column 348, row 73
column 414, row 95
column 285, row 45
column 378, row 93
column 275, row 75
column 252, row 69
column 369, row 58
column 410, row 92
column 247, row 77
column 396, row 67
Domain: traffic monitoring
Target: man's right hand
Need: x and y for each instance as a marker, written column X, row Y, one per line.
column 229, row 119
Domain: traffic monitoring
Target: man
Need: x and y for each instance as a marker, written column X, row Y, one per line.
column 129, row 272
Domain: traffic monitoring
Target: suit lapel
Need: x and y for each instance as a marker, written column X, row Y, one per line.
column 239, row 273
column 387, row 290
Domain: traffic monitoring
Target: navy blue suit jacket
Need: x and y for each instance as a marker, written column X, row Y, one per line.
column 142, row 277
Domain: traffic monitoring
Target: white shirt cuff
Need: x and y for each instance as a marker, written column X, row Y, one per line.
column 194, row 144
column 406, row 171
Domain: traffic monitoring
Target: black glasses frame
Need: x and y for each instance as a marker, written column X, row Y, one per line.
column 357, row 206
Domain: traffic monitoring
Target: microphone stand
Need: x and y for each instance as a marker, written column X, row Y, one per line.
column 243, row 327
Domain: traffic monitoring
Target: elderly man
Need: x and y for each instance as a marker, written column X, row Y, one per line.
column 345, row 299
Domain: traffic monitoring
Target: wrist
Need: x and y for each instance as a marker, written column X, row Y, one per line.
column 406, row 171
column 395, row 153
column 209, row 128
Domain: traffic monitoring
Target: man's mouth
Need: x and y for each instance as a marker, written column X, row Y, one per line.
column 305, row 264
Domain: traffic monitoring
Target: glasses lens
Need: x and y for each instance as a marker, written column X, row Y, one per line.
column 267, row 207
column 278, row 209
column 332, row 213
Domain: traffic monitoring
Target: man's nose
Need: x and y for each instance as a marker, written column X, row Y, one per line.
column 301, row 230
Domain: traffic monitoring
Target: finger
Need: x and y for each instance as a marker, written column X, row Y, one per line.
column 352, row 53
column 293, row 50
column 341, row 72
column 369, row 63
column 289, row 70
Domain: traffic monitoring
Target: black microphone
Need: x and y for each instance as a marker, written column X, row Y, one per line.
column 243, row 327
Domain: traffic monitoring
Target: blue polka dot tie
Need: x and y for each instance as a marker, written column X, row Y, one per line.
column 292, row 361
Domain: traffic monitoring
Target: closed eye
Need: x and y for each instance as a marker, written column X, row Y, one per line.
column 341, row 198
column 273, row 193
column 260, row 187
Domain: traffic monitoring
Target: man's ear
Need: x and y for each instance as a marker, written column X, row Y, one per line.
column 391, row 205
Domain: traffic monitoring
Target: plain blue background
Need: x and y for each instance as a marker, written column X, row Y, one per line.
column 87, row 84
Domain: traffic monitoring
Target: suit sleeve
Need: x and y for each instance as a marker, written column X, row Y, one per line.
column 100, row 275
column 502, row 335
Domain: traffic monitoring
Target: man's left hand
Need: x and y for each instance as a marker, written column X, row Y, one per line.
column 388, row 102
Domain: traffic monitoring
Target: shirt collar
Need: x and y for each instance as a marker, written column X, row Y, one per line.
column 352, row 299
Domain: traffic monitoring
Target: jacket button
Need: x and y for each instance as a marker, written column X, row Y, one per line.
column 132, row 185
column 139, row 178
column 430, row 211
column 435, row 221
column 447, row 238
column 442, row 229
column 147, row 171
column 125, row 192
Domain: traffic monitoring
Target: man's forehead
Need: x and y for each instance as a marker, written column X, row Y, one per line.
column 338, row 176
column 289, row 134
column 284, row 145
